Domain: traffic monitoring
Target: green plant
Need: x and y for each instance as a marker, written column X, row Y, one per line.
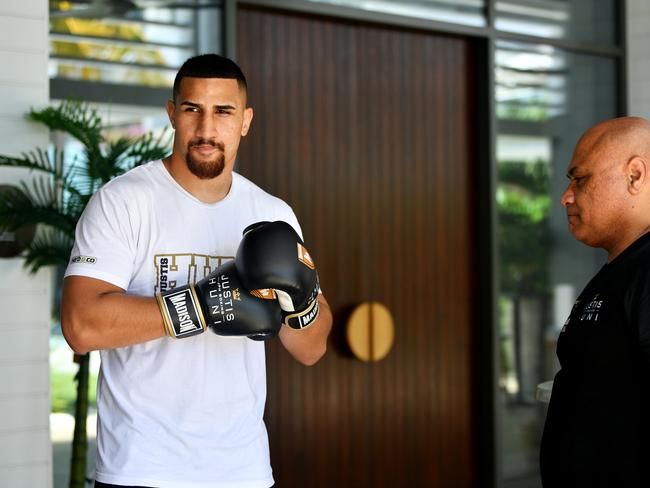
column 524, row 237
column 64, row 395
column 523, row 207
column 54, row 199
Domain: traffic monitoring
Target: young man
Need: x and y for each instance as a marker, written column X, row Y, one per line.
column 597, row 429
column 186, row 411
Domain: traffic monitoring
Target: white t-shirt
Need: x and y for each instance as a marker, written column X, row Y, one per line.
column 175, row 413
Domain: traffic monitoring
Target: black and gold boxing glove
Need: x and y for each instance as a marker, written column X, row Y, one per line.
column 219, row 302
column 273, row 262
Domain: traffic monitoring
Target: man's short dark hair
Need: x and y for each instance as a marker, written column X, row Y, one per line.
column 209, row 66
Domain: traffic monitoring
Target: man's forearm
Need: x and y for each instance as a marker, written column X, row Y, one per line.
column 309, row 345
column 102, row 316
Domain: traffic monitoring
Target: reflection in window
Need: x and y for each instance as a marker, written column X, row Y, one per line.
column 523, row 205
column 534, row 18
column 466, row 12
column 530, row 81
column 120, row 42
column 546, row 98
column 580, row 20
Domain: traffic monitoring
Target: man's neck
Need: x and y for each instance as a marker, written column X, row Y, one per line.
column 207, row 191
column 625, row 241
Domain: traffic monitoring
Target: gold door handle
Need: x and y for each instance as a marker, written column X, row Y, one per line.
column 370, row 331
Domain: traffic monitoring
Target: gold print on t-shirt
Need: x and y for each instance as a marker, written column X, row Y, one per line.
column 174, row 270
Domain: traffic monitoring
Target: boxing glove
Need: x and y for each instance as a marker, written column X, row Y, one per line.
column 219, row 302
column 273, row 262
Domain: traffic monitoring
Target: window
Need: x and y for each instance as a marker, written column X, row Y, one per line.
column 465, row 12
column 576, row 20
column 546, row 97
column 108, row 51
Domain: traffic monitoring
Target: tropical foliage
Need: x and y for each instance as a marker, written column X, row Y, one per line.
column 523, row 206
column 53, row 199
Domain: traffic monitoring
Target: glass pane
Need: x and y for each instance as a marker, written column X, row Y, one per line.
column 545, row 99
column 577, row 20
column 530, row 81
column 466, row 12
column 122, row 43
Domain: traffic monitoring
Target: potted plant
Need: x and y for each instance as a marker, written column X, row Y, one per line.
column 54, row 199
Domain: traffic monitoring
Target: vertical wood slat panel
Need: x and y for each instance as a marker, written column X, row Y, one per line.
column 366, row 132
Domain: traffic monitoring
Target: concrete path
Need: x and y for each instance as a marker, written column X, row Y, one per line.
column 61, row 430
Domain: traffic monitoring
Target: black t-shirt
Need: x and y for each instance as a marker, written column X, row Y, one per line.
column 598, row 422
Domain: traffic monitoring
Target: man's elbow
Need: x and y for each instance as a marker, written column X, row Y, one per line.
column 313, row 356
column 74, row 332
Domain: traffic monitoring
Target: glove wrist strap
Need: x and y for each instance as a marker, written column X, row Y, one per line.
column 181, row 312
column 304, row 318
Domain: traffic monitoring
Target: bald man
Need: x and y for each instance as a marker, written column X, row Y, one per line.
column 597, row 431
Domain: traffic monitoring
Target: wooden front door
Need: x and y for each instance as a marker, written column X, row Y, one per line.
column 367, row 131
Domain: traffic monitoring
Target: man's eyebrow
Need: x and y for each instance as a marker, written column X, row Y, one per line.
column 225, row 106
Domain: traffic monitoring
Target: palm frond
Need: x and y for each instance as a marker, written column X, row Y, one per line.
column 36, row 160
column 98, row 168
column 116, row 151
column 52, row 163
column 72, row 182
column 49, row 248
column 12, row 202
column 75, row 118
column 75, row 204
column 57, row 196
column 39, row 204
column 148, row 148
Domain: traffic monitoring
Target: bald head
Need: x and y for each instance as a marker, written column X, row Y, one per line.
column 608, row 197
column 622, row 138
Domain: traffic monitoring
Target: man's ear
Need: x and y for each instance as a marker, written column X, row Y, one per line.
column 170, row 106
column 637, row 172
column 248, row 118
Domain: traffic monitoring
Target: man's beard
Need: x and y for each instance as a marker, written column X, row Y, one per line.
column 203, row 169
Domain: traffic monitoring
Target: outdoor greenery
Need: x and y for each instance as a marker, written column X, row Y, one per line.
column 64, row 391
column 523, row 206
column 53, row 199
column 524, row 237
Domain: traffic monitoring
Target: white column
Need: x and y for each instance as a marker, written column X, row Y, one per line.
column 25, row 300
column 638, row 57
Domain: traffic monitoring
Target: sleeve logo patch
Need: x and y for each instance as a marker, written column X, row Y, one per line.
column 83, row 260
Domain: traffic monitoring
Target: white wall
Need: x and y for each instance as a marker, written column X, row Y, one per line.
column 638, row 64
column 25, row 300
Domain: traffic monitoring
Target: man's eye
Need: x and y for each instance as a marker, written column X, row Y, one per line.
column 191, row 109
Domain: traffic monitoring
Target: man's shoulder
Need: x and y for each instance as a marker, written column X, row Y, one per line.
column 251, row 190
column 136, row 180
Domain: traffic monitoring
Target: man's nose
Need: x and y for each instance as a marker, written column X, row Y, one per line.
column 207, row 128
column 567, row 197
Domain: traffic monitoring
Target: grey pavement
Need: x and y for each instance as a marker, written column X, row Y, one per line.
column 61, row 429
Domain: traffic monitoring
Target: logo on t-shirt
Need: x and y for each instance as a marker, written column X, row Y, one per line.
column 177, row 269
column 592, row 310
column 83, row 259
column 568, row 319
